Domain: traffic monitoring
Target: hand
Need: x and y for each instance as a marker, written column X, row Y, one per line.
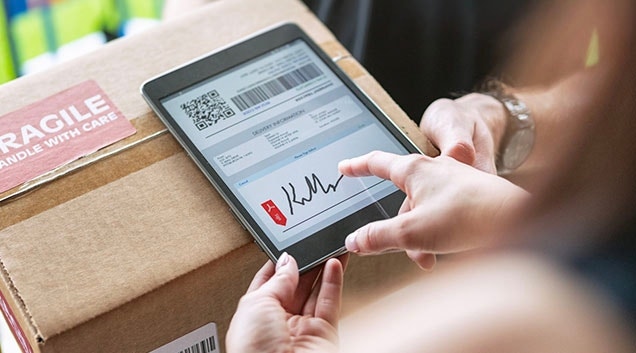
column 449, row 206
column 468, row 129
column 284, row 313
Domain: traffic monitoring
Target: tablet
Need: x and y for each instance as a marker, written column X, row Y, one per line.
column 267, row 120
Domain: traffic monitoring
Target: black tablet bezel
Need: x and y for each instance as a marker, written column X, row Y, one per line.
column 322, row 245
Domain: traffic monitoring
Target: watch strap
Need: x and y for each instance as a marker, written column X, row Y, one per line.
column 518, row 121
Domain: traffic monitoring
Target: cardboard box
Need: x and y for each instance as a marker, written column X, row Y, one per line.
column 130, row 248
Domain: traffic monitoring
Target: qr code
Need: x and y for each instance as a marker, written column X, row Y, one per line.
column 207, row 110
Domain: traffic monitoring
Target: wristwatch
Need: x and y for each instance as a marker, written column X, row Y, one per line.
column 518, row 139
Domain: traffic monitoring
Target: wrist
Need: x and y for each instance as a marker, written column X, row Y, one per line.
column 518, row 136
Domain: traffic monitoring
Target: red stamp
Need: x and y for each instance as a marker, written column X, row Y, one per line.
column 274, row 212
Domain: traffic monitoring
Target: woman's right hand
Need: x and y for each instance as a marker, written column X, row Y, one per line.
column 449, row 206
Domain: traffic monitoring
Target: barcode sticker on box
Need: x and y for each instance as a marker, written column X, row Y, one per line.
column 201, row 340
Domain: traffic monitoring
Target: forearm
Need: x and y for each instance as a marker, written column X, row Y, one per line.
column 496, row 303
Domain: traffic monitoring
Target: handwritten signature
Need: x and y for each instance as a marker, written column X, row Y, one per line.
column 314, row 185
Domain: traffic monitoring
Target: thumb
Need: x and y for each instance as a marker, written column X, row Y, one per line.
column 379, row 236
column 425, row 260
column 458, row 144
column 444, row 124
column 282, row 285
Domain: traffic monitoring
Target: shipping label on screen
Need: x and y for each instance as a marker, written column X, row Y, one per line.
column 274, row 129
column 57, row 130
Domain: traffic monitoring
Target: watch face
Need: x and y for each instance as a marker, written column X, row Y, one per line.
column 518, row 148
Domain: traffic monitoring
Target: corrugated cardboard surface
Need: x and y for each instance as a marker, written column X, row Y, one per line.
column 132, row 247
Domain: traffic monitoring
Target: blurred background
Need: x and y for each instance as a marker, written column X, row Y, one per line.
column 419, row 50
column 35, row 34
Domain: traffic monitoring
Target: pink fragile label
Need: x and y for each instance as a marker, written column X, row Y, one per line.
column 57, row 130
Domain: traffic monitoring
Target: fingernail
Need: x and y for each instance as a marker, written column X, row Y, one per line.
column 351, row 244
column 282, row 260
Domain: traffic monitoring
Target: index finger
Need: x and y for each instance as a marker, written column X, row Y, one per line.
column 389, row 166
column 305, row 285
column 329, row 300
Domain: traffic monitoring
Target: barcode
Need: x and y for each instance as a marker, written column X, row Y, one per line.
column 276, row 86
column 206, row 346
column 207, row 110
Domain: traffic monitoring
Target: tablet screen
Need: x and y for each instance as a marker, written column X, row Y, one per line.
column 274, row 129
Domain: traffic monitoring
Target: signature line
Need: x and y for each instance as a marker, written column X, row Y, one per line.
column 334, row 205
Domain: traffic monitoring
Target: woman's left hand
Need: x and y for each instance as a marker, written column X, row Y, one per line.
column 285, row 312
